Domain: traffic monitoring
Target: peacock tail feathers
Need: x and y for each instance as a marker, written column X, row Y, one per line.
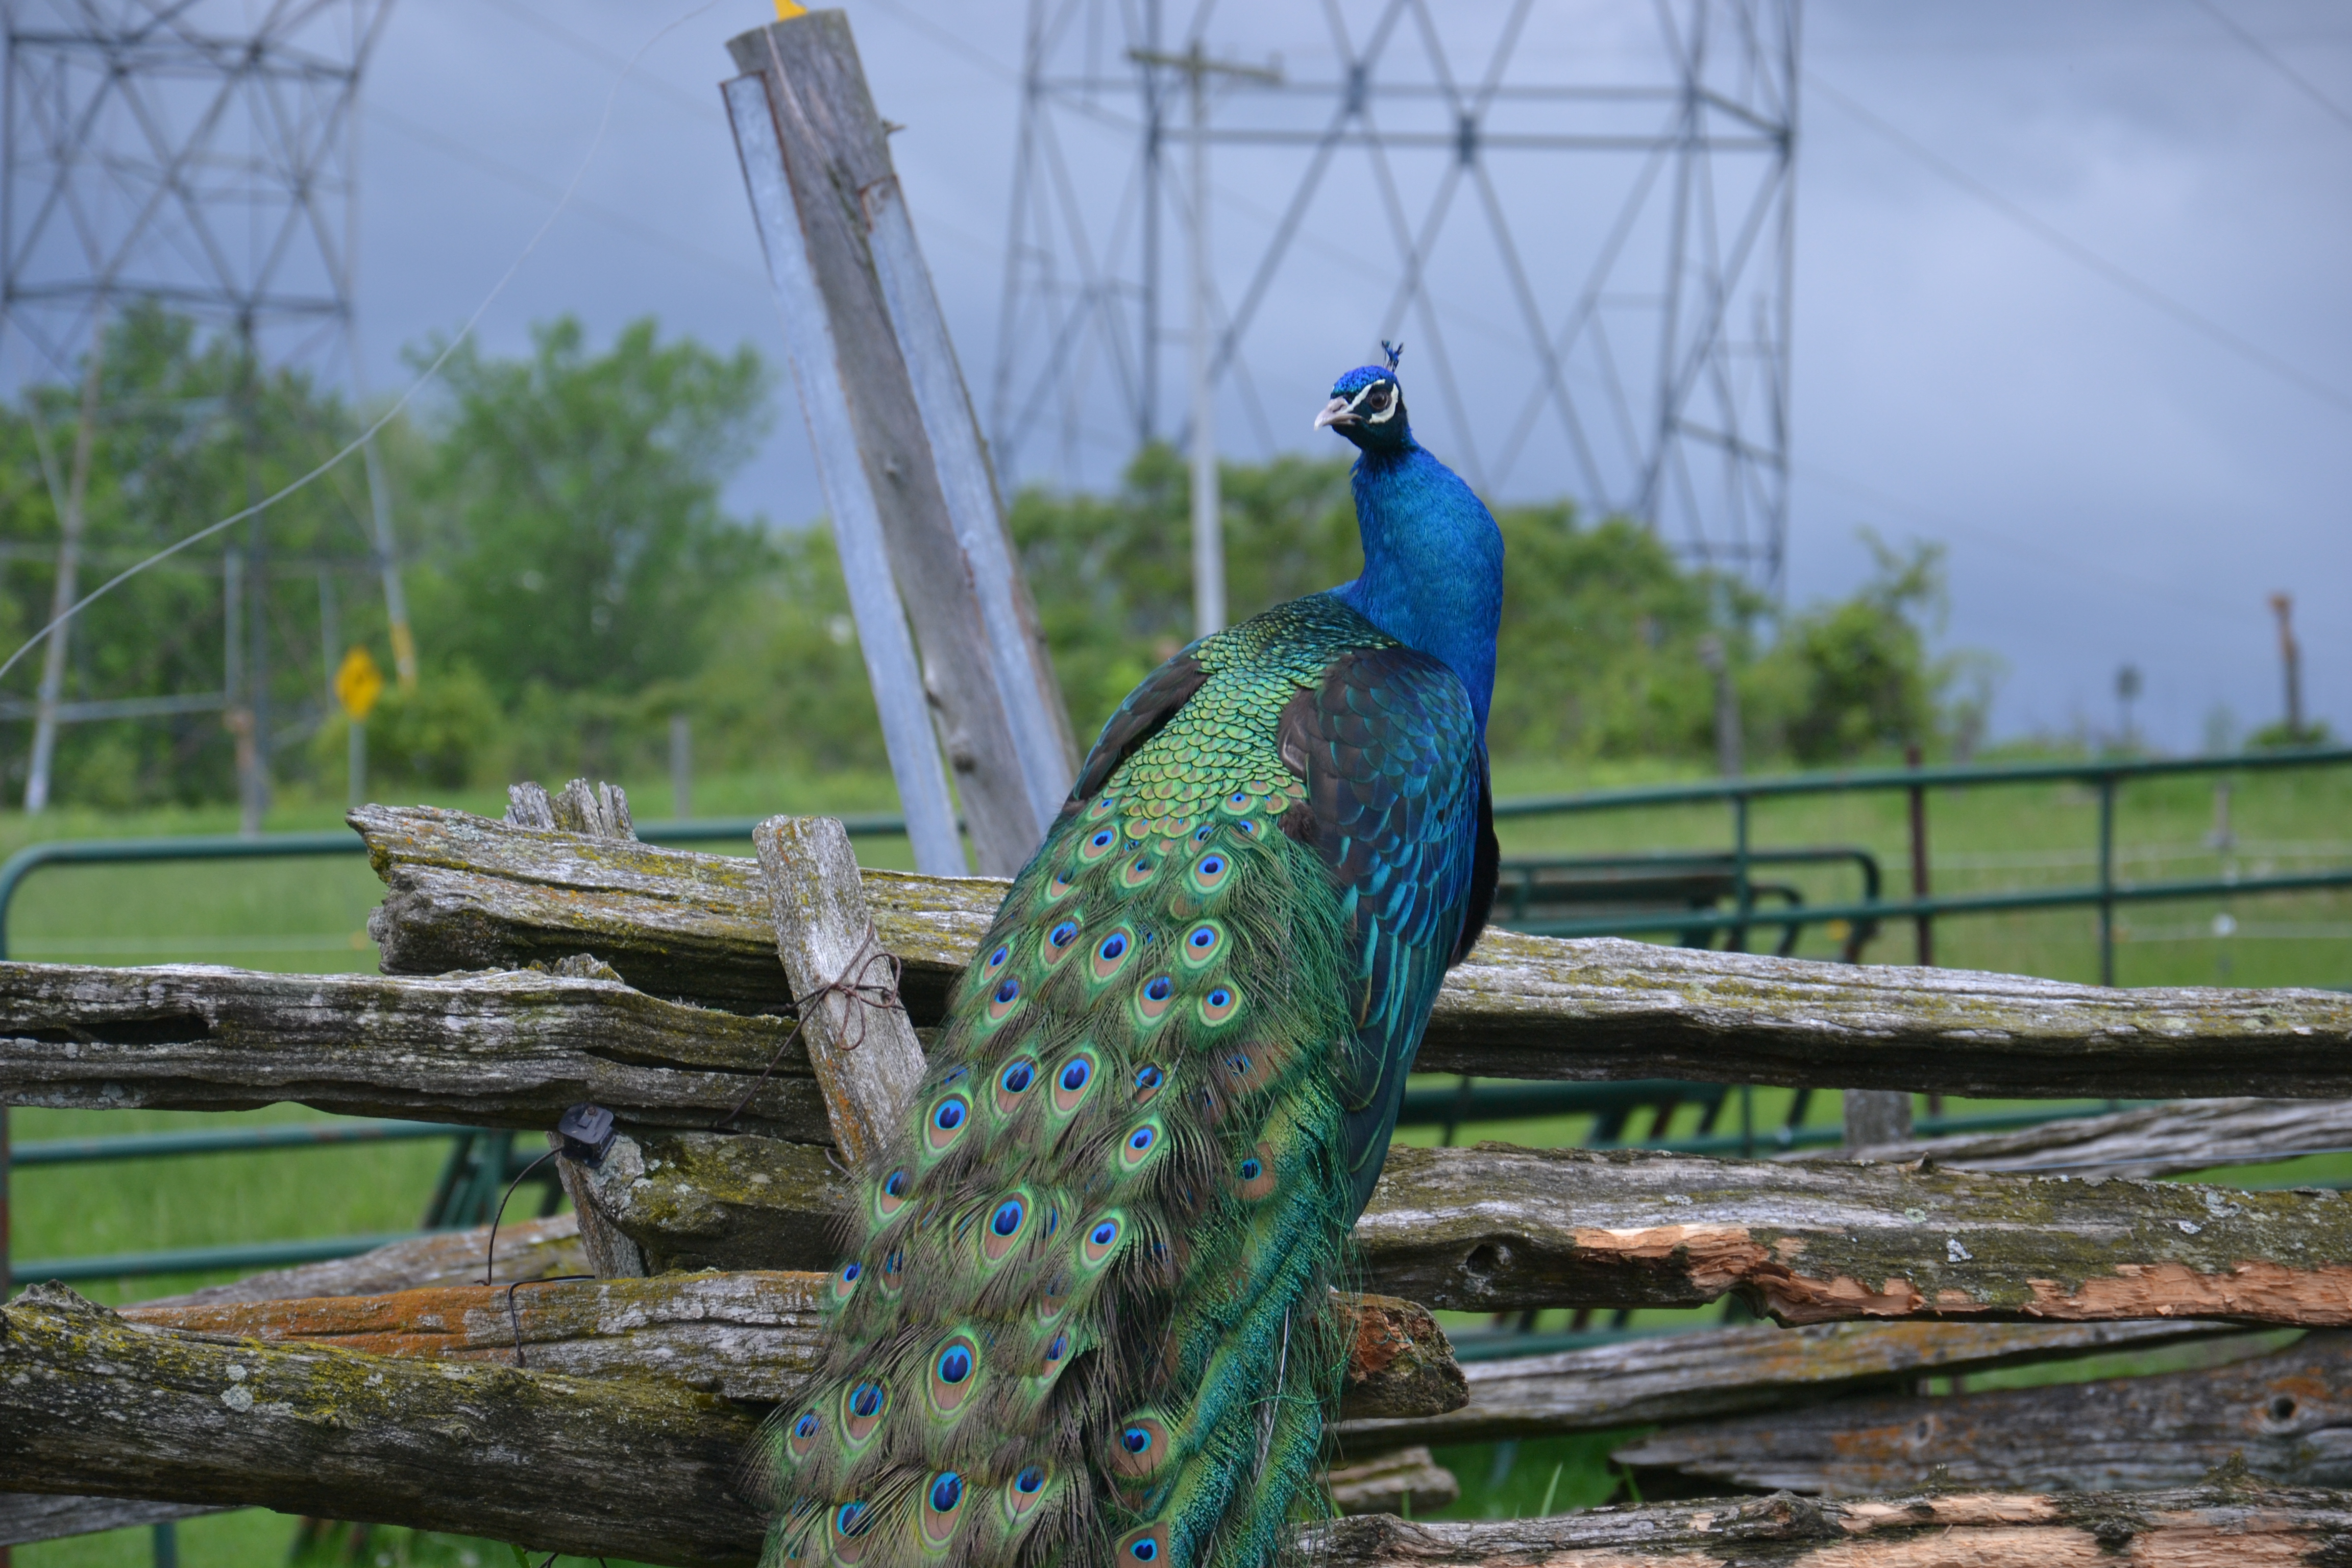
column 1081, row 1322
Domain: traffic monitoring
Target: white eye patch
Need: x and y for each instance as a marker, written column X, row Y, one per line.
column 1386, row 411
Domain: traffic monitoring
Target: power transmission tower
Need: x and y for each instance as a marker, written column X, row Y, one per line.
column 200, row 154
column 1581, row 219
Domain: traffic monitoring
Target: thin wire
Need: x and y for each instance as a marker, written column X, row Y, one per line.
column 2148, row 293
column 602, row 124
column 2270, row 56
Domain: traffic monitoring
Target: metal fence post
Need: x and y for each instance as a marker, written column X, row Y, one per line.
column 2107, row 879
column 1923, row 925
column 1743, row 890
column 893, row 426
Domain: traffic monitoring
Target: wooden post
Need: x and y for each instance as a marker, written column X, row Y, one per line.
column 913, row 507
column 860, row 1044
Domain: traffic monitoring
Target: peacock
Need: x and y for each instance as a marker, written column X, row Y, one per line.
column 1081, row 1323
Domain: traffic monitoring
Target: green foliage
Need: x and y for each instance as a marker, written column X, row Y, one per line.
column 576, row 582
column 188, row 433
column 1854, row 676
column 1603, row 628
column 570, row 510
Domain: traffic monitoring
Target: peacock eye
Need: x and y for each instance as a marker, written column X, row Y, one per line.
column 1378, row 398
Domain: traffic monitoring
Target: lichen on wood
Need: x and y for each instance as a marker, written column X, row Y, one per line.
column 2200, row 1527
column 2288, row 1416
column 2150, row 1141
column 1714, row 1372
column 509, row 1049
column 1498, row 1227
column 463, row 892
column 619, row 1466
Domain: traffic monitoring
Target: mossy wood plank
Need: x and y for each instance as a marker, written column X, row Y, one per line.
column 527, row 1248
column 2152, row 1141
column 1671, row 1378
column 859, row 1042
column 463, row 892
column 2202, row 1527
column 504, row 1050
column 648, row 1469
column 2288, row 1414
column 26, row 1517
column 1499, row 1228
column 635, row 1467
column 752, row 1335
column 1495, row 1227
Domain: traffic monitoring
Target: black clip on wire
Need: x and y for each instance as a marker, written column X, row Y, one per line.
column 585, row 1131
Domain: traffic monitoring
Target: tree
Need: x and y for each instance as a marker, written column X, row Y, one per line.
column 574, row 541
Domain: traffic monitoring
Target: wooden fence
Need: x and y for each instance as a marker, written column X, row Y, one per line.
column 530, row 967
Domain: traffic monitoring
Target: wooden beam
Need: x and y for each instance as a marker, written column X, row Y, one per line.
column 527, row 1249
column 509, row 1050
column 749, row 1335
column 824, row 138
column 647, row 1469
column 618, row 1466
column 2200, row 1527
column 464, row 892
column 1715, row 1373
column 27, row 1517
column 2286, row 1416
column 859, row 1042
column 2153, row 1141
column 1498, row 1227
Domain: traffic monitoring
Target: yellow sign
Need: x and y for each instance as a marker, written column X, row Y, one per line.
column 358, row 684
column 788, row 9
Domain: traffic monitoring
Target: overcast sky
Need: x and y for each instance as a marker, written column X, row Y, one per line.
column 2113, row 484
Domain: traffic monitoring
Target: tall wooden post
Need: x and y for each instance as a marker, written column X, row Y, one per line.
column 915, row 509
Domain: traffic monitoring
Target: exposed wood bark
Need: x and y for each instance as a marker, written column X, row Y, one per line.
column 1668, row 1378
column 1406, row 1480
column 834, row 149
column 466, row 893
column 750, row 1335
column 644, row 1468
column 34, row 1516
column 2288, row 1414
column 527, row 1249
column 2204, row 1527
column 2153, row 1141
column 509, row 1050
column 621, row 1466
column 613, row 1252
column 858, row 1040
column 715, row 1200
column 1496, row 1227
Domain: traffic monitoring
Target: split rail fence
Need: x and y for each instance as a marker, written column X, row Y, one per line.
column 552, row 959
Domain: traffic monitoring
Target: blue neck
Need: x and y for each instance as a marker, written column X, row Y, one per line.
column 1433, row 565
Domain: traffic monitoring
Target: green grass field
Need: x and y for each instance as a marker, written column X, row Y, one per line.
column 310, row 916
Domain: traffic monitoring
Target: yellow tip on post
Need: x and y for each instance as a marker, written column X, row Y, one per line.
column 788, row 9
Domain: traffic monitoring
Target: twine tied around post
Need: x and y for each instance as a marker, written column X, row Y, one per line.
column 854, row 984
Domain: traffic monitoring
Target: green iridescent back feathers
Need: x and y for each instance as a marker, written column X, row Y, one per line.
column 1082, row 1323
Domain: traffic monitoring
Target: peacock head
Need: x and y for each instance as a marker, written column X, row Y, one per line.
column 1367, row 406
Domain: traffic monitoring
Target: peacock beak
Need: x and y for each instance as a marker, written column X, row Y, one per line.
column 1336, row 412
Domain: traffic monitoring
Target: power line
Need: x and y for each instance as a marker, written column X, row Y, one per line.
column 2145, row 293
column 520, row 179
column 2276, row 62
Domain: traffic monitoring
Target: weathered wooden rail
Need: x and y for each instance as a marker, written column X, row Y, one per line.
column 2287, row 1416
column 464, row 892
column 547, row 967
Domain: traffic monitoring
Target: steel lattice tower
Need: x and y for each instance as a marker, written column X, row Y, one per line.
column 1599, row 202
column 199, row 154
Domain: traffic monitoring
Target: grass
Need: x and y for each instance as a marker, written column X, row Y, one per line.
column 310, row 916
